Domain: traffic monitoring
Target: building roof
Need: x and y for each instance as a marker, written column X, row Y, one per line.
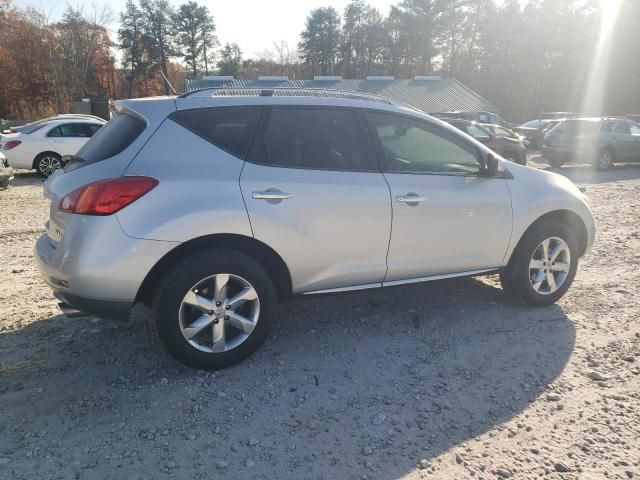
column 428, row 94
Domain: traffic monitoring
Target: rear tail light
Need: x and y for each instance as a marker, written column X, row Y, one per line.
column 11, row 144
column 106, row 197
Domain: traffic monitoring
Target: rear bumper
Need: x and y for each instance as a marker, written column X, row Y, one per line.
column 97, row 270
column 114, row 309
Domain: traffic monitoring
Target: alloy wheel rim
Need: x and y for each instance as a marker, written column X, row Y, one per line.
column 549, row 266
column 219, row 313
column 48, row 165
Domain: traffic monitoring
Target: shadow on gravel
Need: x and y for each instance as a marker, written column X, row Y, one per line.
column 350, row 385
column 24, row 178
column 586, row 174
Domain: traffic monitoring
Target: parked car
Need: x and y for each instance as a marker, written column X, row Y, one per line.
column 480, row 117
column 6, row 172
column 505, row 132
column 510, row 148
column 33, row 126
column 557, row 115
column 598, row 141
column 633, row 117
column 534, row 130
column 43, row 146
column 212, row 208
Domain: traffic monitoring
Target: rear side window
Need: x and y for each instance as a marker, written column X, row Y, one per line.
column 76, row 130
column 577, row 127
column 230, row 128
column 314, row 138
column 112, row 138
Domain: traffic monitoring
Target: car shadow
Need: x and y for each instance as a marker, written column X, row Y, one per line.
column 587, row 174
column 23, row 178
column 367, row 383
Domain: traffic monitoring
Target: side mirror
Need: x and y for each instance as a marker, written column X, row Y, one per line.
column 493, row 166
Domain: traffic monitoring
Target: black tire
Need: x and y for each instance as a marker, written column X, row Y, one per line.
column 186, row 273
column 555, row 162
column 605, row 159
column 44, row 161
column 516, row 280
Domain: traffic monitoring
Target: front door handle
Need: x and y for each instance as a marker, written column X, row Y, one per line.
column 411, row 199
column 271, row 195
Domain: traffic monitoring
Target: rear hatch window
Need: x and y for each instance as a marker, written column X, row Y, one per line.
column 111, row 139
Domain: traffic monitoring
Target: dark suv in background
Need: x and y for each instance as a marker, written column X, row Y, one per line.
column 598, row 141
column 534, row 130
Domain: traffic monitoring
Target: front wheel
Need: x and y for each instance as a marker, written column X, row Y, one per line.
column 214, row 308
column 543, row 265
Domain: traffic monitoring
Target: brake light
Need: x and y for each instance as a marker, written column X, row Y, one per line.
column 106, row 197
column 11, row 144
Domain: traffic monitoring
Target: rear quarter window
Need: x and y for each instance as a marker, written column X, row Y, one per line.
column 229, row 128
column 112, row 138
column 577, row 127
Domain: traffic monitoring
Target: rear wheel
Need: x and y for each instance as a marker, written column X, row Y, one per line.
column 543, row 265
column 214, row 308
column 555, row 162
column 605, row 160
column 47, row 163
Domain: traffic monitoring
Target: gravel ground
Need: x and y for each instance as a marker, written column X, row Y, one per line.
column 440, row 380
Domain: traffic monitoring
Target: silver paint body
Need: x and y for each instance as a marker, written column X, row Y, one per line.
column 334, row 231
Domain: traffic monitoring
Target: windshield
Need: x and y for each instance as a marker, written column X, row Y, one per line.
column 534, row 124
column 502, row 132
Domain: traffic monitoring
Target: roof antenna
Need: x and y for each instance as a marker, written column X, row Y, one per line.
column 173, row 90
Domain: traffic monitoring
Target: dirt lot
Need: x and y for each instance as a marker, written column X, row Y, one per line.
column 441, row 380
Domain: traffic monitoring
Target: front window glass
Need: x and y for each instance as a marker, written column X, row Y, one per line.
column 410, row 146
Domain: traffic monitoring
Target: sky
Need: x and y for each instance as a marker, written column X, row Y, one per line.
column 253, row 24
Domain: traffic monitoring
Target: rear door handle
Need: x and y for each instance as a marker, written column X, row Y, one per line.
column 271, row 195
column 411, row 198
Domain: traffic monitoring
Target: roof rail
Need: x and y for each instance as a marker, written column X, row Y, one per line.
column 293, row 92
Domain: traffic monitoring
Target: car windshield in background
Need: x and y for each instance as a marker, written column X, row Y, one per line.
column 502, row 132
column 116, row 135
column 534, row 124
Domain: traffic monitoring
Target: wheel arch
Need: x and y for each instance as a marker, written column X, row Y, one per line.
column 259, row 251
column 567, row 217
column 41, row 154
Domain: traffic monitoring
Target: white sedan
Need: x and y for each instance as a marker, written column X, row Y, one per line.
column 43, row 146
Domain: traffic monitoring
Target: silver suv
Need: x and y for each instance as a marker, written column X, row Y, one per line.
column 214, row 206
column 598, row 141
